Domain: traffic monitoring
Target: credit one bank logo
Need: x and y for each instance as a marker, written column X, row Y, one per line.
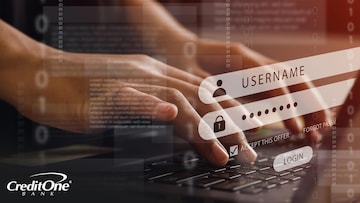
column 41, row 184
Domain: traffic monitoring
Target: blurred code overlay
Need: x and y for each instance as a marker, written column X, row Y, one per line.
column 253, row 21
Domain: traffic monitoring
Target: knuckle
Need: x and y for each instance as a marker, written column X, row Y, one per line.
column 175, row 95
column 195, row 91
column 151, row 65
column 235, row 48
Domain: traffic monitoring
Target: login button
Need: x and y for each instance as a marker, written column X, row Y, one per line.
column 293, row 158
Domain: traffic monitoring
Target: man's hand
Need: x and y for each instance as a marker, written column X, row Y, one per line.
column 135, row 85
column 210, row 59
column 128, row 86
column 203, row 57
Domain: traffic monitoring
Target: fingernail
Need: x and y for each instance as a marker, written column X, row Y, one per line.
column 252, row 155
column 163, row 107
column 162, row 110
column 248, row 154
column 220, row 154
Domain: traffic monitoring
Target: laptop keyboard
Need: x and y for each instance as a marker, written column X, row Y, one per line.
column 249, row 178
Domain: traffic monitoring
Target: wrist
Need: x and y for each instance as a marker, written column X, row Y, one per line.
column 18, row 63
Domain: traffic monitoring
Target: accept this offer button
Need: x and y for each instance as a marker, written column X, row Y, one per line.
column 293, row 158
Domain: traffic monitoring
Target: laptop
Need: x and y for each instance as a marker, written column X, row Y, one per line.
column 186, row 177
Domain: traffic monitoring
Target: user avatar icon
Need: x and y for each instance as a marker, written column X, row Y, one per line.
column 219, row 91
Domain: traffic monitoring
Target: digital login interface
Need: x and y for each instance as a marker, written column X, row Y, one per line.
column 179, row 100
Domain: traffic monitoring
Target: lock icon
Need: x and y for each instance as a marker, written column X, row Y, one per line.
column 219, row 124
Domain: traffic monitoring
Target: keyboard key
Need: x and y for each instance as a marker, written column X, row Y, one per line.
column 204, row 182
column 283, row 173
column 266, row 185
column 263, row 177
column 256, row 167
column 232, row 164
column 226, row 175
column 218, row 170
column 236, row 184
column 300, row 173
column 212, row 169
column 182, row 177
column 262, row 160
column 265, row 163
column 292, row 177
column 242, row 171
column 272, row 172
column 307, row 166
column 263, row 168
column 297, row 169
column 279, row 181
column 158, row 163
column 250, row 166
column 154, row 176
column 152, row 173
